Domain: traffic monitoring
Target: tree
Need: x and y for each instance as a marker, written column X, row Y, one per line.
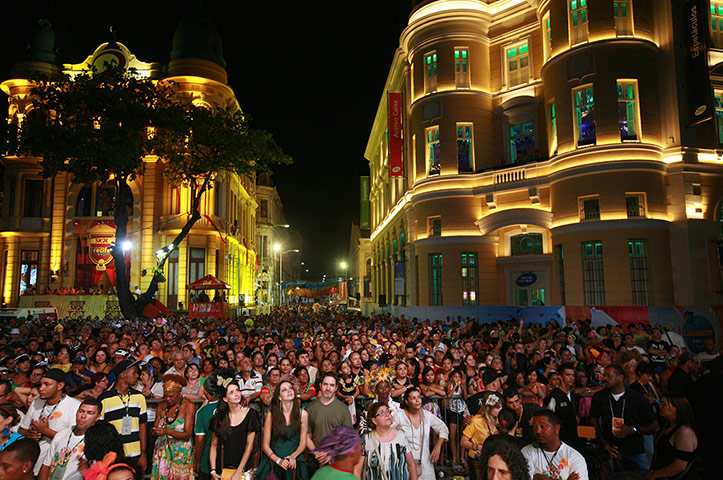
column 100, row 127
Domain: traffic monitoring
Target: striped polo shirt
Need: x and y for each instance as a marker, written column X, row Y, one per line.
column 115, row 407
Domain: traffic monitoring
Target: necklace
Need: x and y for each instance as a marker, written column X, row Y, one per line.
column 175, row 417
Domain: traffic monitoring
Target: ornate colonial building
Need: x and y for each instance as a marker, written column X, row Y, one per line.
column 48, row 227
column 551, row 152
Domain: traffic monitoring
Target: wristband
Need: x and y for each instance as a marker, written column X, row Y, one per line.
column 278, row 460
column 213, row 472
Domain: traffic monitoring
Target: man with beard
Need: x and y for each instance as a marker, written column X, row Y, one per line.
column 549, row 457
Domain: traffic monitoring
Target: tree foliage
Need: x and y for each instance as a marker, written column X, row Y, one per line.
column 100, row 127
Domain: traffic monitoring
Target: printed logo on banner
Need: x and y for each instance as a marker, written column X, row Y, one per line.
column 76, row 309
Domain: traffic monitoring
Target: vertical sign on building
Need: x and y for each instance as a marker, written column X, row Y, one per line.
column 396, row 163
column 399, row 279
column 695, row 18
column 365, row 220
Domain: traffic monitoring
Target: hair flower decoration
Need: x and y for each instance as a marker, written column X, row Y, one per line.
column 492, row 400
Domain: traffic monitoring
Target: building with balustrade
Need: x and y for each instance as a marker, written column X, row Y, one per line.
column 552, row 152
column 48, row 227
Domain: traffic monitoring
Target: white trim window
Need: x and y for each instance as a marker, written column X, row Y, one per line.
column 718, row 95
column 589, row 207
column 465, row 148
column 553, row 129
column 623, row 13
column 628, row 111
column 433, row 153
column 522, row 142
column 517, row 60
column 461, row 67
column 578, row 21
column 716, row 23
column 584, row 111
column 430, row 75
column 547, row 35
column 635, row 205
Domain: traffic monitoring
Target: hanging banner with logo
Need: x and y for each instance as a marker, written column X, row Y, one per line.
column 365, row 220
column 100, row 237
column 396, row 162
column 695, row 28
column 342, row 291
column 399, row 279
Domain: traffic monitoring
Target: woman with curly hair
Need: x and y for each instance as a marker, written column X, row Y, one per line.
column 502, row 460
column 284, row 441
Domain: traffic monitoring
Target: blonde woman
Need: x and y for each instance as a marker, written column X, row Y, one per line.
column 482, row 426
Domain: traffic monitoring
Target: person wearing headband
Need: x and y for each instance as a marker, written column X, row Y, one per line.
column 173, row 451
column 483, row 424
column 342, row 445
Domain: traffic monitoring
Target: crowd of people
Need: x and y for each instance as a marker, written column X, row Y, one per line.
column 310, row 392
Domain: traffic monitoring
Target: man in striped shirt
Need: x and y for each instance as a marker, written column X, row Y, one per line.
column 125, row 408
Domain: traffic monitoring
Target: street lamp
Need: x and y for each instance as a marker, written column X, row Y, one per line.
column 277, row 248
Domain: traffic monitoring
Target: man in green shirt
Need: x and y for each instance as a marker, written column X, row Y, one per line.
column 325, row 412
column 203, row 437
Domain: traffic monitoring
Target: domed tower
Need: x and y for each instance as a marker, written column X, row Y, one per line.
column 197, row 47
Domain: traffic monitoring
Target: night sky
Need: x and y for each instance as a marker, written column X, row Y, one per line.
column 311, row 73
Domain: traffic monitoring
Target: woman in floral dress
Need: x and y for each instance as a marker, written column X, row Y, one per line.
column 173, row 451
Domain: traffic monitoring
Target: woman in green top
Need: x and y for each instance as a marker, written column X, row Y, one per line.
column 288, row 425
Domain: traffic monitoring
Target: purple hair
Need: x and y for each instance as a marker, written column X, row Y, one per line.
column 339, row 441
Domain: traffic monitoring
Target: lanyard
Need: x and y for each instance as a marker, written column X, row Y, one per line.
column 42, row 413
column 550, row 466
column 612, row 414
column 126, row 405
column 66, row 456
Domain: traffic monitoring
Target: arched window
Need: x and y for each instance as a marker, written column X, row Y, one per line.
column 96, row 201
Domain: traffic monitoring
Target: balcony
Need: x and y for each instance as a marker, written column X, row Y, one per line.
column 26, row 224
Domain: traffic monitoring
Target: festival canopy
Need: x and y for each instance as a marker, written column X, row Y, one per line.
column 209, row 282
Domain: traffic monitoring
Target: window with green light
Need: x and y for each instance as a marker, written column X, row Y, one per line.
column 718, row 95
column 435, row 279
column 593, row 274
column 469, row 278
column 461, row 67
column 518, row 65
column 526, row 244
column 627, row 109
column 578, row 21
column 464, row 148
column 584, row 104
column 433, row 152
column 522, row 142
column 638, row 250
column 716, row 24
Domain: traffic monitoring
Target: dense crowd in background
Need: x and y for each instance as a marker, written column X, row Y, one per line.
column 319, row 392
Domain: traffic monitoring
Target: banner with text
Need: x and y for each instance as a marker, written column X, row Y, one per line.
column 365, row 220
column 396, row 162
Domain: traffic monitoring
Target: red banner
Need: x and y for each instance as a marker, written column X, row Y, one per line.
column 396, row 162
column 342, row 291
column 100, row 237
column 208, row 310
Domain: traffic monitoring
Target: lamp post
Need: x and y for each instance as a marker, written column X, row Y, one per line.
column 277, row 248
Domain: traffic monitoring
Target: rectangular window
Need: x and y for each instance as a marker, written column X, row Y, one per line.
column 434, row 226
column 105, row 201
column 638, row 250
column 592, row 273
column 578, row 21
column 469, row 278
column 526, row 244
column 430, row 68
column 547, row 35
column 628, row 109
column 461, row 67
column 33, row 198
column 435, row 279
column 175, row 203
column 465, row 150
column 584, row 115
column 518, row 65
column 28, row 270
column 635, row 205
column 719, row 114
column 522, row 142
column 716, row 23
column 263, row 208
column 589, row 208
column 196, row 264
column 623, row 12
column 433, row 152
column 553, row 128
column 560, row 259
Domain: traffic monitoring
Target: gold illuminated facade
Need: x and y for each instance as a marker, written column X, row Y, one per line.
column 47, row 225
column 549, row 158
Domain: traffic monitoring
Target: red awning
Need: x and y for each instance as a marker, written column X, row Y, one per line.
column 209, row 282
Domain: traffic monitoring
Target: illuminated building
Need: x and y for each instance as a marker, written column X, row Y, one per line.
column 272, row 229
column 47, row 225
column 554, row 152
